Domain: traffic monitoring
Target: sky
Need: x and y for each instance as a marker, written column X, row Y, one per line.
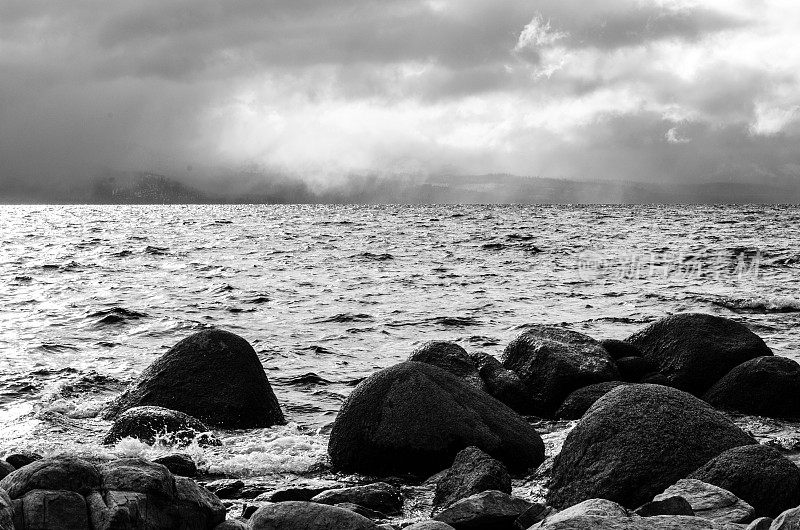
column 658, row 91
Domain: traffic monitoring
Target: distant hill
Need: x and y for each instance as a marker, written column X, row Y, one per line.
column 143, row 188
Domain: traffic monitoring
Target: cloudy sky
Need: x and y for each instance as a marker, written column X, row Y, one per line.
column 659, row 90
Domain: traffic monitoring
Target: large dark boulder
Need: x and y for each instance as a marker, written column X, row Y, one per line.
column 212, row 375
column 414, row 417
column 636, row 441
column 151, row 423
column 764, row 386
column 300, row 515
column 57, row 473
column 450, row 357
column 473, row 471
column 694, row 350
column 378, row 496
column 505, row 385
column 579, row 401
column 488, row 510
column 553, row 361
column 757, row 474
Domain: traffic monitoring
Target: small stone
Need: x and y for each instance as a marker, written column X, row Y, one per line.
column 225, row 488
column 378, row 496
column 178, row 464
column 709, row 501
column 488, row 509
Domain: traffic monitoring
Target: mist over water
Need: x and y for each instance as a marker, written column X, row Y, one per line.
column 327, row 295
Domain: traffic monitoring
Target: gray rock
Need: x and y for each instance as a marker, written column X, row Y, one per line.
column 764, row 386
column 619, row 349
column 668, row 506
column 149, row 424
column 596, row 507
column 361, row 510
column 139, row 476
column 196, row 505
column 20, row 459
column 414, row 417
column 757, row 474
column 5, row 468
column 378, row 496
column 473, row 471
column 429, row 525
column 300, row 515
column 178, row 464
column 553, row 361
column 636, row 441
column 450, row 357
column 231, row 524
column 535, row 514
column 226, row 488
column 488, row 510
column 301, row 491
column 505, row 385
column 214, row 376
column 694, row 350
column 762, row 523
column 709, row 501
column 57, row 473
column 659, row 522
column 55, row 510
column 6, row 512
column 579, row 401
column 788, row 520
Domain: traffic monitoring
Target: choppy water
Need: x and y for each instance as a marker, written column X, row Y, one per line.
column 329, row 294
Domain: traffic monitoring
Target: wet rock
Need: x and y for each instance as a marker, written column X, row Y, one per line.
column 659, row 522
column 578, row 402
column 178, row 464
column 58, row 473
column 596, row 507
column 225, row 488
column 139, row 476
column 303, row 491
column 197, row 507
column 55, row 510
column 636, row 441
column 764, row 386
column 414, row 417
column 762, row 523
column 473, row 471
column 22, row 458
column 5, row 468
column 788, row 520
column 6, row 512
column 757, row 474
column 552, row 362
column 361, row 510
column 619, row 349
column 666, row 506
column 694, row 350
column 231, row 524
column 634, row 369
column 505, row 385
column 150, row 423
column 450, row 357
column 214, row 376
column 300, row 515
column 488, row 510
column 378, row 496
column 709, row 501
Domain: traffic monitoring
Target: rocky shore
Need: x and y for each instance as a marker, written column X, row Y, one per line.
column 653, row 444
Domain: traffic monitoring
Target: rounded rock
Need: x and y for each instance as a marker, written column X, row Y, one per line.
column 414, row 417
column 301, row 515
column 57, row 473
column 582, row 399
column 149, row 424
column 450, row 357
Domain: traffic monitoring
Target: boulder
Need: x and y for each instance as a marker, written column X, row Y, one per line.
column 694, row 350
column 54, row 510
column 378, row 496
column 414, row 417
column 214, row 376
column 552, row 362
column 636, row 441
column 300, row 491
column 764, row 386
column 301, row 515
column 634, row 369
column 788, row 520
column 19, row 459
column 659, row 522
column 450, row 357
column 231, row 524
column 505, row 385
column 578, row 402
column 535, row 514
column 226, row 488
column 6, row 512
column 139, row 476
column 488, row 510
column 473, row 471
column 361, row 510
column 57, row 473
column 429, row 525
column 5, row 468
column 666, row 506
column 619, row 349
column 762, row 523
column 178, row 464
column 598, row 507
column 197, row 507
column 757, row 474
column 149, row 424
column 709, row 501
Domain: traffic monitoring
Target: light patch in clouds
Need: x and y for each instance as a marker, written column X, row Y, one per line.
column 664, row 90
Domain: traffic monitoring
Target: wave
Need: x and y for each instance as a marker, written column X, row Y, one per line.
column 369, row 256
column 775, row 304
column 309, row 378
column 115, row 315
column 340, row 318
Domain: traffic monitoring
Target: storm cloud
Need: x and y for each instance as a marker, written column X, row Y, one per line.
column 658, row 90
